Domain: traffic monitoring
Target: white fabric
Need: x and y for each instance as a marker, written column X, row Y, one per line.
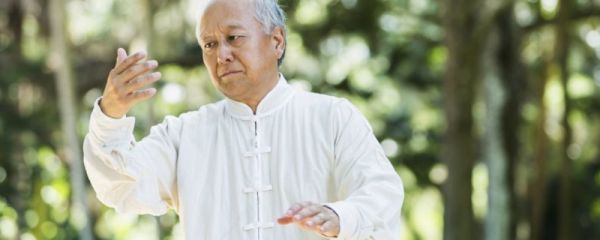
column 230, row 174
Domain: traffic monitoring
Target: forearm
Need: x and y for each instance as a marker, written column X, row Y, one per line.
column 108, row 139
column 125, row 174
column 370, row 192
column 373, row 211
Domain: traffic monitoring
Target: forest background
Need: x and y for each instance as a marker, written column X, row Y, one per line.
column 488, row 109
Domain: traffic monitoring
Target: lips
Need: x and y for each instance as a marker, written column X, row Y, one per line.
column 228, row 73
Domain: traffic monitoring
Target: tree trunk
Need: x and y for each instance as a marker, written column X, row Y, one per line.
column 61, row 65
column 561, row 57
column 458, row 153
column 18, row 178
column 15, row 18
column 148, row 36
column 512, row 74
column 147, row 27
column 538, row 187
column 494, row 154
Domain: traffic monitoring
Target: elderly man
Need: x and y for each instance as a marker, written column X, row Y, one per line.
column 267, row 162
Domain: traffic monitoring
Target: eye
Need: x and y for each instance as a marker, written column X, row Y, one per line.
column 209, row 45
column 233, row 37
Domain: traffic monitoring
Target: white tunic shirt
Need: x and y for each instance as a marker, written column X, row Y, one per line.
column 230, row 173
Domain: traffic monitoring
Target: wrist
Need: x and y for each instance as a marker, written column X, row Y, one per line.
column 108, row 113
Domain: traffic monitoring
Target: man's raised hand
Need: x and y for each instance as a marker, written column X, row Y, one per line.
column 125, row 82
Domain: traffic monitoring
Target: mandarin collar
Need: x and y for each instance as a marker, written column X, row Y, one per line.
column 275, row 99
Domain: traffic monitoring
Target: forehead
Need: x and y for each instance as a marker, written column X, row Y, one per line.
column 226, row 15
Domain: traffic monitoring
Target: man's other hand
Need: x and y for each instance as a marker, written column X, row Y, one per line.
column 312, row 217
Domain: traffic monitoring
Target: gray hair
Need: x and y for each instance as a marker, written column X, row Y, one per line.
column 267, row 12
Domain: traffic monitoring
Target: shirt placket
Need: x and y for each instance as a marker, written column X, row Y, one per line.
column 258, row 187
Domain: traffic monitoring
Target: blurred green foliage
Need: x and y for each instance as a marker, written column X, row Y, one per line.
column 386, row 56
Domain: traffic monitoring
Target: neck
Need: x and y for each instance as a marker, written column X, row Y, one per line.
column 253, row 102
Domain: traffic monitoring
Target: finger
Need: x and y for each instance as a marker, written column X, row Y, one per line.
column 296, row 207
column 135, row 71
column 289, row 214
column 317, row 220
column 130, row 60
column 142, row 81
column 285, row 220
column 308, row 211
column 328, row 226
column 141, row 95
column 118, row 58
column 121, row 55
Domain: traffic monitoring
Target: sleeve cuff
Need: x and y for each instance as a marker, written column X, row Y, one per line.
column 348, row 218
column 110, row 130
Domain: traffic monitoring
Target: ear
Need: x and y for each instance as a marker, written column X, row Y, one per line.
column 278, row 39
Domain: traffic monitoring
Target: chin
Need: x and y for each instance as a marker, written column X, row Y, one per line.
column 231, row 89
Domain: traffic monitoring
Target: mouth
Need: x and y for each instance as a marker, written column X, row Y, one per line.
column 228, row 73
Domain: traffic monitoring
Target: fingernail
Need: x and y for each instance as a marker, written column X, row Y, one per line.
column 289, row 212
column 140, row 54
column 297, row 217
column 152, row 63
column 156, row 75
column 309, row 223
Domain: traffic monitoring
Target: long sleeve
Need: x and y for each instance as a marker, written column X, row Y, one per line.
column 130, row 176
column 370, row 190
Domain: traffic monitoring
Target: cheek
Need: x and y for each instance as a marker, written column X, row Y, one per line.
column 209, row 63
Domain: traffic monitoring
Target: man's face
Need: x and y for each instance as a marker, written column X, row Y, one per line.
column 240, row 56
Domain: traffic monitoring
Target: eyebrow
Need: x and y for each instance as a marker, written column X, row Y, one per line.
column 228, row 27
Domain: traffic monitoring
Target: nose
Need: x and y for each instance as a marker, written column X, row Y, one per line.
column 225, row 55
